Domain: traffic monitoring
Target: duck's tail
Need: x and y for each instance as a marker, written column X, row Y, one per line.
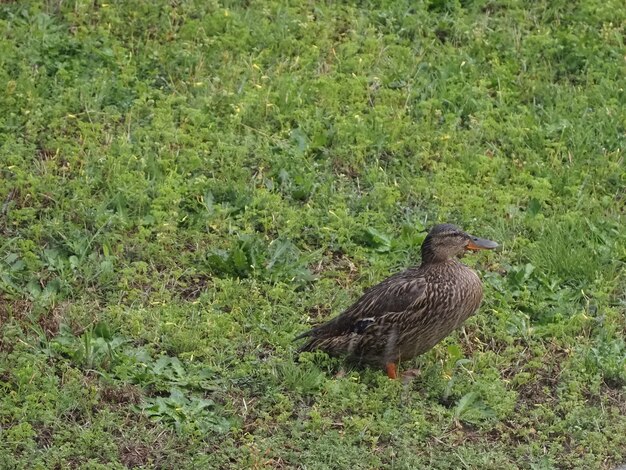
column 306, row 334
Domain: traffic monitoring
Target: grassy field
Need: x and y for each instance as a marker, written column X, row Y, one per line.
column 187, row 185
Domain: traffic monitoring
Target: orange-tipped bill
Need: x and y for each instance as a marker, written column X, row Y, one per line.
column 476, row 244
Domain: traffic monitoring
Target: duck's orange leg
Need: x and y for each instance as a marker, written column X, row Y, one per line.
column 391, row 370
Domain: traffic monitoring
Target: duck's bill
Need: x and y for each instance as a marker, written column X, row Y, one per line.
column 476, row 243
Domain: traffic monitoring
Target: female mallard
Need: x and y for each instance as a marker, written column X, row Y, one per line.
column 408, row 313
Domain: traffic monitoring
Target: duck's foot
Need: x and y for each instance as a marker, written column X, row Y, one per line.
column 406, row 376
column 409, row 375
column 391, row 370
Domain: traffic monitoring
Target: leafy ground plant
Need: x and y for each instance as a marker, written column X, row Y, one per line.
column 186, row 186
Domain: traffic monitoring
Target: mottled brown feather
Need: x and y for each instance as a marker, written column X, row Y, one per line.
column 406, row 314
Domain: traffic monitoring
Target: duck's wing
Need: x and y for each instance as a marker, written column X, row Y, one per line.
column 395, row 294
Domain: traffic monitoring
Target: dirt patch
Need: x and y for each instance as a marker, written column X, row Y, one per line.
column 22, row 312
column 336, row 261
column 45, row 153
column 51, row 322
column 154, row 448
column 615, row 397
column 609, row 395
column 543, row 387
column 472, row 338
column 4, row 208
column 318, row 313
column 134, row 455
column 120, row 396
column 17, row 309
column 190, row 288
column 11, row 310
column 5, row 376
column 45, row 437
column 341, row 167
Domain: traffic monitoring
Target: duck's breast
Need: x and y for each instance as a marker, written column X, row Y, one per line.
column 470, row 294
column 454, row 294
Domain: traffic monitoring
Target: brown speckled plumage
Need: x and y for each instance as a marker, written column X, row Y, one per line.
column 408, row 313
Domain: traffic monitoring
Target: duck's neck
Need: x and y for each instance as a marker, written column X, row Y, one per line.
column 439, row 261
column 432, row 257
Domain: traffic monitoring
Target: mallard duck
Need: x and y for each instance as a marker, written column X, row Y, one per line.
column 408, row 313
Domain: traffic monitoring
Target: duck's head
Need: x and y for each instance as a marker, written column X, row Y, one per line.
column 445, row 241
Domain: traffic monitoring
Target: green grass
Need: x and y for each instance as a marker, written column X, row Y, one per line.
column 185, row 186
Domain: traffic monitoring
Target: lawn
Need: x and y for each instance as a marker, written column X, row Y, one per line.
column 187, row 185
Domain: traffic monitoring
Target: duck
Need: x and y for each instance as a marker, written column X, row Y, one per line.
column 408, row 313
